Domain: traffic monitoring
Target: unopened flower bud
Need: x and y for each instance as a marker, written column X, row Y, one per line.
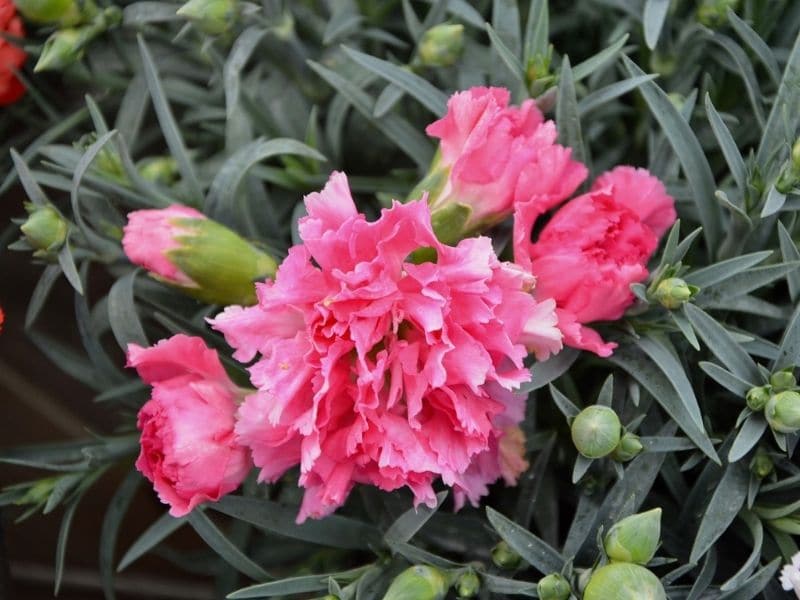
column 159, row 169
column 420, row 582
column 538, row 74
column 783, row 380
column 624, row 581
column 761, row 465
column 214, row 17
column 758, row 397
column 468, row 584
column 63, row 48
column 505, row 557
column 634, row 539
column 714, row 13
column 441, row 46
column 64, row 12
column 629, row 447
column 45, row 230
column 203, row 258
column 596, row 431
column 553, row 587
column 672, row 293
column 783, row 412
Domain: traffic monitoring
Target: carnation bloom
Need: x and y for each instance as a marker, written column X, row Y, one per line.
column 12, row 57
column 790, row 575
column 593, row 249
column 494, row 156
column 188, row 447
column 374, row 369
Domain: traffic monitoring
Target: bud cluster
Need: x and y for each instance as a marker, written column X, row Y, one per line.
column 779, row 400
column 597, row 432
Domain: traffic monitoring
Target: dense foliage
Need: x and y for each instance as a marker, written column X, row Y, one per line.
column 239, row 109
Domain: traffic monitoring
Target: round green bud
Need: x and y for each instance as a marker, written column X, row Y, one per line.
column 628, row 448
column 45, row 230
column 468, row 584
column 420, row 582
column 505, row 557
column 758, row 397
column 673, row 292
column 596, row 431
column 159, row 169
column 634, row 539
column 783, row 412
column 783, row 380
column 761, row 465
column 553, row 587
column 624, row 581
column 214, row 17
column 441, row 46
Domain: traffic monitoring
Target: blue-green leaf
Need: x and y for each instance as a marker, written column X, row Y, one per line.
column 533, row 550
column 655, row 13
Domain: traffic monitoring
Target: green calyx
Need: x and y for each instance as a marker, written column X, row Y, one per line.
column 468, row 584
column 450, row 222
column 674, row 292
column 761, row 465
column 624, row 581
column 782, row 381
column 214, row 17
column 634, row 539
column 441, row 46
column 45, row 229
column 505, row 557
column 596, row 431
column 628, row 448
column 66, row 46
column 714, row 13
column 63, row 12
column 758, row 397
column 159, row 169
column 222, row 265
column 553, row 587
column 783, row 412
column 420, row 582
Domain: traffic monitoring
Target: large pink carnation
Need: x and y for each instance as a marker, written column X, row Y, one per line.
column 593, row 249
column 373, row 369
column 497, row 156
column 188, row 449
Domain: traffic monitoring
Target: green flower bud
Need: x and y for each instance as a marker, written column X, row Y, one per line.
column 783, row 380
column 553, row 587
column 505, row 557
column 596, row 431
column 672, row 293
column 783, row 412
column 64, row 12
column 45, row 230
column 420, row 582
column 62, row 48
column 468, row 584
column 634, row 539
column 714, row 13
column 629, row 447
column 214, row 17
column 624, row 581
column 796, row 154
column 159, row 169
column 441, row 46
column 758, row 397
column 762, row 464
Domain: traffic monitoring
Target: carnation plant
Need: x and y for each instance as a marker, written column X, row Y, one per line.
column 422, row 299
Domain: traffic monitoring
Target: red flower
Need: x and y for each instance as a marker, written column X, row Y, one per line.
column 2, row 318
column 11, row 57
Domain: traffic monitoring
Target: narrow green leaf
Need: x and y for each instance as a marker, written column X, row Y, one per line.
column 567, row 114
column 551, row 369
column 509, row 587
column 296, row 585
column 165, row 525
column 705, row 577
column 116, row 511
column 789, row 348
column 417, row 87
column 61, row 543
column 751, row 588
column 747, row 281
column 40, row 293
column 723, row 506
column 679, row 317
column 722, row 344
column 655, row 13
column 506, row 22
column 387, row 100
column 756, row 44
column 508, row 57
column 533, row 550
column 790, row 253
column 537, row 30
column 169, row 127
column 581, row 466
column 411, row 521
column 583, row 69
column 32, row 189
column 746, row 71
column 67, row 264
column 749, row 435
column 757, row 532
column 610, row 92
column 729, row 148
column 122, row 313
column 416, row 556
column 223, row 546
column 689, row 152
column 774, row 203
column 720, row 271
column 563, row 403
column 726, row 379
column 413, row 23
column 667, row 444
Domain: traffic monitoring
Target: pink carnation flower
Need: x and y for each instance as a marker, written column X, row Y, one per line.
column 188, row 450
column 593, row 249
column 497, row 156
column 150, row 234
column 373, row 369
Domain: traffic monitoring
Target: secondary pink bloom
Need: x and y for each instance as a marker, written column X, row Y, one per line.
column 371, row 368
column 188, row 450
column 151, row 233
column 593, row 249
column 496, row 156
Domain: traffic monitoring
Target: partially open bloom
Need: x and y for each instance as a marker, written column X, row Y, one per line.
column 182, row 247
column 593, row 249
column 493, row 156
column 790, row 575
column 12, row 57
column 188, row 447
column 374, row 369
